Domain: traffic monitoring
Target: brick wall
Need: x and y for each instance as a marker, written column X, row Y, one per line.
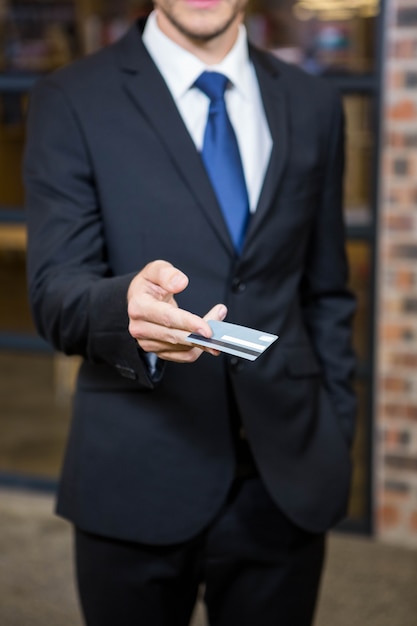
column 396, row 371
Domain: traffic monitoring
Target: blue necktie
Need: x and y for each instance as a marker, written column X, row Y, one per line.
column 221, row 158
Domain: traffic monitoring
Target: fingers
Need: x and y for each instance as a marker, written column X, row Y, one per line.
column 169, row 318
column 218, row 313
column 186, row 353
column 161, row 327
column 158, row 280
column 162, row 340
column 162, row 277
column 156, row 321
column 156, row 338
column 151, row 299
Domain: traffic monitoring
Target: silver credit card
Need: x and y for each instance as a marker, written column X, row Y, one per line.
column 247, row 343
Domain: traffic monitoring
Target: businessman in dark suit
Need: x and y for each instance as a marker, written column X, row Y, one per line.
column 184, row 466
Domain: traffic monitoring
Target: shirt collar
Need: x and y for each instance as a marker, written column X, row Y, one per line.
column 180, row 68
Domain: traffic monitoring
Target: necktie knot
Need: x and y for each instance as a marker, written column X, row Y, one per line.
column 213, row 84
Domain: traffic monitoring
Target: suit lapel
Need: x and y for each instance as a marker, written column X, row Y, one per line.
column 276, row 114
column 148, row 90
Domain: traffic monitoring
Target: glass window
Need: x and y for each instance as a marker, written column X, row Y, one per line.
column 11, row 149
column 34, row 412
column 359, row 159
column 15, row 315
column 360, row 266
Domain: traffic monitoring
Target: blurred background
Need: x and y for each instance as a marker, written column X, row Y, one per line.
column 368, row 49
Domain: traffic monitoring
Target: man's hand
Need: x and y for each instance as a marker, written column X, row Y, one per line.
column 155, row 320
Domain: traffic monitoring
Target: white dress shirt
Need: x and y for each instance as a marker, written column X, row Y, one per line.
column 180, row 69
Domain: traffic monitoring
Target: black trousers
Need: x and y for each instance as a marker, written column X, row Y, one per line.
column 258, row 569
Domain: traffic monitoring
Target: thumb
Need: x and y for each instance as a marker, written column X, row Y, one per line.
column 218, row 313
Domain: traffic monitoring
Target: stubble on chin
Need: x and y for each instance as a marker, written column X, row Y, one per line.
column 199, row 35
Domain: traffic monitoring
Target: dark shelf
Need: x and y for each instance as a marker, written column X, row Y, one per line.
column 23, row 342
column 346, row 83
column 17, row 83
column 12, row 216
column 360, row 232
column 13, row 480
column 354, row 83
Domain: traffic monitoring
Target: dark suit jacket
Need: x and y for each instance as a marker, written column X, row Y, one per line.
column 114, row 181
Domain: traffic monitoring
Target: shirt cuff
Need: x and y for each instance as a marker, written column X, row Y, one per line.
column 155, row 366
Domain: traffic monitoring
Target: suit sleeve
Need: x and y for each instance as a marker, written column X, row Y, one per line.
column 329, row 305
column 78, row 305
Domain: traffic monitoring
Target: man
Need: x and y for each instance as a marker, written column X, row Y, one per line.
column 185, row 466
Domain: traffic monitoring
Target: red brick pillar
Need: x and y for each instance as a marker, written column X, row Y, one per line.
column 396, row 364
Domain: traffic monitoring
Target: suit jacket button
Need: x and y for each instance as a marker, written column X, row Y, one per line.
column 236, row 364
column 238, row 286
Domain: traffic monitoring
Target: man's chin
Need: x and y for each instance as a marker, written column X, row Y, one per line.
column 201, row 27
